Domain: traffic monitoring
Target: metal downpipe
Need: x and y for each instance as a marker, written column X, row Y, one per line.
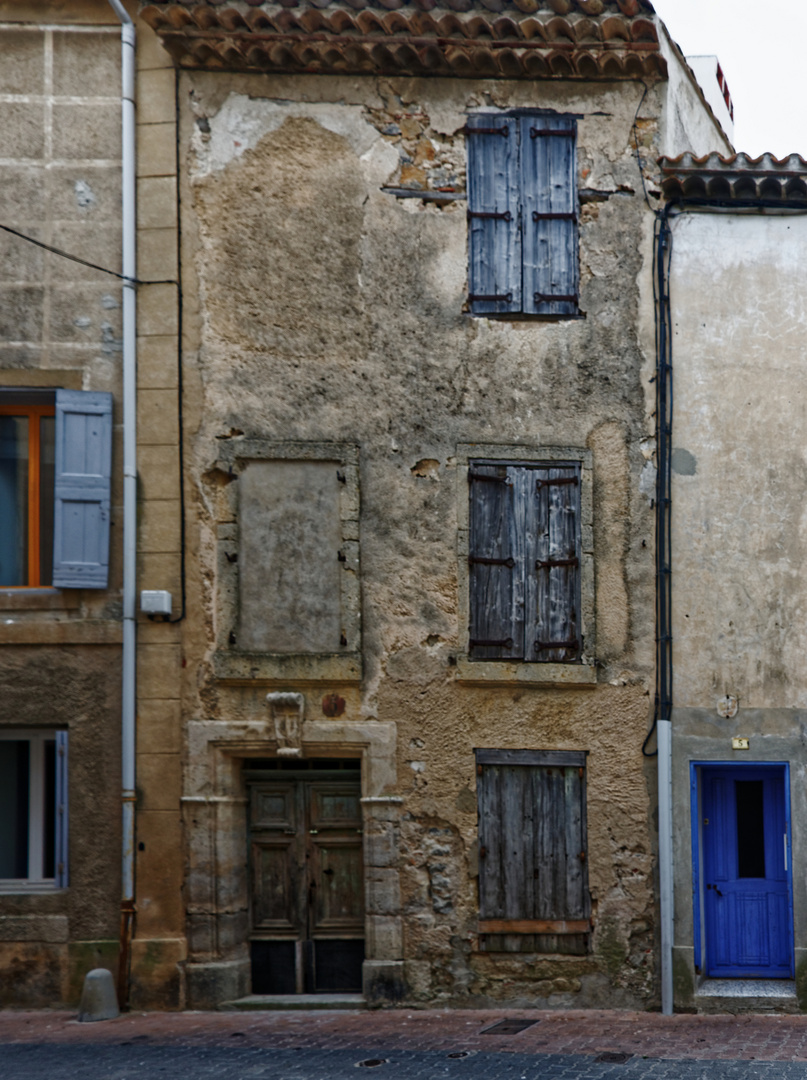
column 663, row 703
column 129, row 496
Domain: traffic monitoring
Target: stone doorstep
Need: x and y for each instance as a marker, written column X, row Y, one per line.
column 747, row 988
column 727, row 996
column 277, row 1002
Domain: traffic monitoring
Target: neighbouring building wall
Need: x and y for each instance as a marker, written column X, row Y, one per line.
column 60, row 326
column 688, row 122
column 323, row 311
column 738, row 537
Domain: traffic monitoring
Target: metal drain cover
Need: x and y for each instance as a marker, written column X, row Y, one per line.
column 614, row 1057
column 508, row 1027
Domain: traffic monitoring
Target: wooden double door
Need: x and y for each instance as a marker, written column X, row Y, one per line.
column 307, row 883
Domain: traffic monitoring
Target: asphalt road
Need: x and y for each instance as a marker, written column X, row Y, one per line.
column 403, row 1045
column 130, row 1060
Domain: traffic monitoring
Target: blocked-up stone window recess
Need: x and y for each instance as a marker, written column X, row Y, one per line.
column 501, row 658
column 288, row 563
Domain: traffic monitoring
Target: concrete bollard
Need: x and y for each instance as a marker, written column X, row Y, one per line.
column 98, row 998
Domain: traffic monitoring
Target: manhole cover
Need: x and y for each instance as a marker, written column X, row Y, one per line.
column 461, row 1053
column 614, row 1057
column 508, row 1027
column 371, row 1063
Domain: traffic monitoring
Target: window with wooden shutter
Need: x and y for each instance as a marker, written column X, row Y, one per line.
column 524, row 561
column 533, row 882
column 522, row 213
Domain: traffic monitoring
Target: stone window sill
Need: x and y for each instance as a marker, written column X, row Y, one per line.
column 504, row 673
column 38, row 600
column 272, row 668
column 12, row 887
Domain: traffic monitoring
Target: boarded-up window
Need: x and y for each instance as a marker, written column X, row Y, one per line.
column 522, row 214
column 533, row 884
column 290, row 538
column 524, row 561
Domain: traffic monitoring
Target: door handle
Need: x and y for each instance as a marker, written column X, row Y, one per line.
column 719, row 893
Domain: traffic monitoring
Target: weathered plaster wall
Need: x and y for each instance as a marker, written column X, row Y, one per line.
column 739, row 464
column 688, row 122
column 330, row 310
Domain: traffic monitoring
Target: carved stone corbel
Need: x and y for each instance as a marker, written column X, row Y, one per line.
column 287, row 716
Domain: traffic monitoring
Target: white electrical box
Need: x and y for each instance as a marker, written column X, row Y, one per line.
column 156, row 603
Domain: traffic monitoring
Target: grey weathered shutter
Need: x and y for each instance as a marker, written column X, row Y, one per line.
column 555, row 592
column 495, row 565
column 82, row 489
column 494, row 225
column 60, row 848
column 533, row 854
column 549, row 209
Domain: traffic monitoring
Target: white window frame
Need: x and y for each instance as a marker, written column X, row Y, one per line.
column 36, row 739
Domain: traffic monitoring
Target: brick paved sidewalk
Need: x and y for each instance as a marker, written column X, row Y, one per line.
column 642, row 1035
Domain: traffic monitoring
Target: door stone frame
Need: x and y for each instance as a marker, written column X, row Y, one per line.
column 214, row 810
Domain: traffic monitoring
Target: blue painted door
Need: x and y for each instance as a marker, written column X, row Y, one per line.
column 745, row 862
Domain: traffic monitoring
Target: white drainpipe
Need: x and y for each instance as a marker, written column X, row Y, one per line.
column 129, row 488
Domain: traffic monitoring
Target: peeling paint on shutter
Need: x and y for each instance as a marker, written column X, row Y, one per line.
column 549, row 209
column 556, row 502
column 82, row 489
column 495, row 566
column 494, row 226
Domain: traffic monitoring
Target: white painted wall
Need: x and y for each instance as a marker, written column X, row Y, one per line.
column 740, row 467
column 687, row 124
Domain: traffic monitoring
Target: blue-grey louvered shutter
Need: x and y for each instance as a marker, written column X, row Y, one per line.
column 61, row 875
column 494, row 225
column 81, row 489
column 549, row 208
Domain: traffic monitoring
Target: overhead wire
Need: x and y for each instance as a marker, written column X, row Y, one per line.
column 85, row 262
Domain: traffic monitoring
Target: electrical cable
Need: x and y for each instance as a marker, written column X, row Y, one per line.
column 139, row 281
column 86, row 262
column 662, row 243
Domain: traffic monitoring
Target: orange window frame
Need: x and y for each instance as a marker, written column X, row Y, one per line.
column 32, row 413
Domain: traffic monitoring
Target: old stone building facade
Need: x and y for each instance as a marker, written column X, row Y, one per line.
column 392, row 740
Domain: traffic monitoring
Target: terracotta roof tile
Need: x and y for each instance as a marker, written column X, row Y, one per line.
column 737, row 178
column 532, row 39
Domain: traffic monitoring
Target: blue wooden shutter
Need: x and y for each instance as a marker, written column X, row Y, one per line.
column 60, row 852
column 549, row 208
column 494, row 225
column 82, row 487
column 496, row 565
column 556, row 526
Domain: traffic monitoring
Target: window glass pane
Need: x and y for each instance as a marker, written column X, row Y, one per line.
column 49, row 810
column 14, row 758
column 750, row 829
column 14, row 500
column 47, row 466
